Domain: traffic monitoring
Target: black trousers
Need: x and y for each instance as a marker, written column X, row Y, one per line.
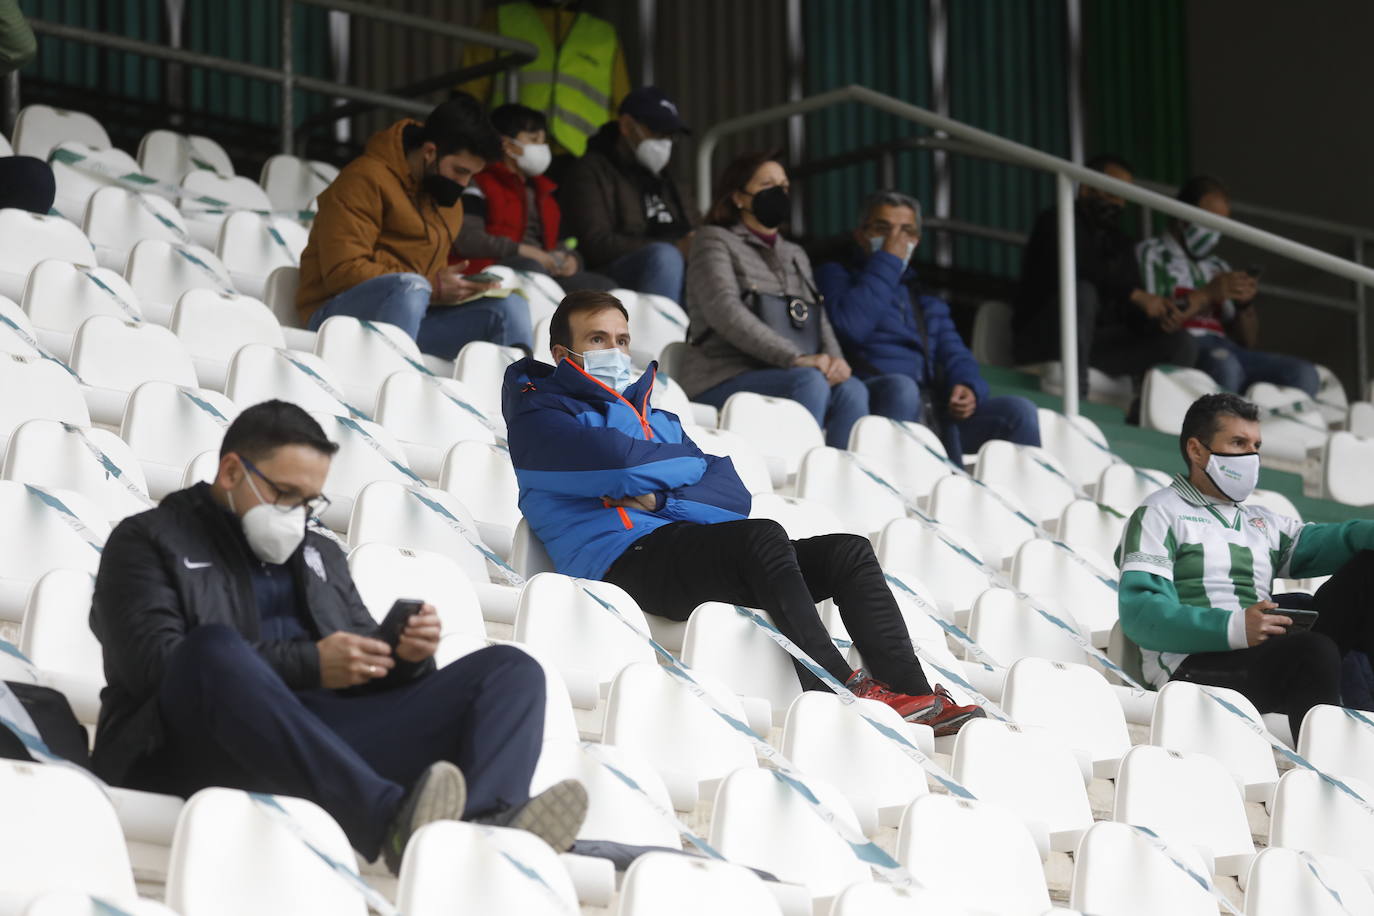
column 753, row 563
column 1291, row 673
column 230, row 720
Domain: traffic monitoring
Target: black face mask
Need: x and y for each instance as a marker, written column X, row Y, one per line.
column 771, row 206
column 445, row 191
column 1100, row 211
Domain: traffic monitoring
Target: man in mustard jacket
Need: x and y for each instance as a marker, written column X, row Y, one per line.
column 380, row 245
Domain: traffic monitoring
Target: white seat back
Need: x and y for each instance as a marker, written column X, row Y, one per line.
column 35, row 388
column 1092, row 531
column 782, row 430
column 955, row 582
column 36, row 538
column 1335, row 742
column 367, row 454
column 1009, row 630
column 213, row 325
column 39, row 128
column 1118, row 870
column 1314, row 816
column 615, row 811
column 655, row 322
column 907, row 455
column 169, row 156
column 830, row 477
column 415, row 411
column 207, row 199
column 482, row 367
column 1051, row 574
column 801, row 518
column 748, row 462
column 720, row 643
column 1124, row 487
column 362, row 359
column 259, row 373
column 1168, row 392
column 70, row 162
column 961, row 504
column 30, row 238
column 119, row 355
column 1039, row 482
column 167, row 426
column 47, row 454
column 1343, row 459
column 292, row 183
column 1186, row 719
column 252, row 245
column 557, row 616
column 389, row 512
column 1076, row 443
column 280, row 295
column 482, row 477
column 160, row 271
column 991, row 341
column 117, row 218
column 1075, row 704
column 383, row 574
column 663, row 884
column 56, row 635
column 61, row 295
column 1283, row 881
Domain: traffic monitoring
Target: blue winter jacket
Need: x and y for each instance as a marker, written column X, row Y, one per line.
column 576, row 443
column 869, row 304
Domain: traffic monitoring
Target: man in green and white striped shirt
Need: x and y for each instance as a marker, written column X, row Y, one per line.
column 1197, row 569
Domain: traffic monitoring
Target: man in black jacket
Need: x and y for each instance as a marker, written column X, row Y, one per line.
column 238, row 653
column 1122, row 329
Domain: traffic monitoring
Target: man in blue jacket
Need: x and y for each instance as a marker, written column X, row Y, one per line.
column 904, row 344
column 616, row 491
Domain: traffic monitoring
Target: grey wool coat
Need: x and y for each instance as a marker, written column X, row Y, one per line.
column 724, row 265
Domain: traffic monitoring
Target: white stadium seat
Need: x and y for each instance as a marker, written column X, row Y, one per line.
column 167, row 426
column 615, row 811
column 655, row 322
column 160, row 271
column 231, row 857
column 1345, row 461
column 75, row 185
column 292, row 183
column 1337, row 743
column 1051, row 574
column 39, row 128
column 751, row 466
column 280, row 296
column 782, row 430
column 429, row 418
column 1124, row 487
column 361, row 358
column 1188, row 800
column 365, row 456
column 720, row 643
column 1285, row 881
column 828, row 476
column 30, row 238
column 663, row 884
column 1039, row 482
column 1118, row 870
column 1311, row 815
column 252, row 245
column 168, row 156
column 389, row 512
column 1361, row 419
column 907, row 455
column 35, row 537
column 60, row 295
column 117, row 219
column 455, row 867
column 207, row 199
column 963, row 505
column 35, row 388
column 15, row 326
column 482, row 367
column 558, row 617
column 1071, row 441
column 801, row 518
column 1166, row 394
column 57, row 635
column 1186, row 719
column 259, row 372
column 114, row 357
column 77, row 903
column 1010, row 629
column 1092, row 530
column 1075, row 704
column 907, row 544
column 481, row 476
column 1331, row 396
column 47, row 454
column 213, row 325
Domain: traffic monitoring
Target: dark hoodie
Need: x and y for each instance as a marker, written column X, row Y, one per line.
column 614, row 206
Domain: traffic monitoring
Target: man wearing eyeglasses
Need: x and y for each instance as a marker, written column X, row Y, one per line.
column 238, row 653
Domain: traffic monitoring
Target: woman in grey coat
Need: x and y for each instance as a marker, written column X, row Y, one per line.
column 739, row 260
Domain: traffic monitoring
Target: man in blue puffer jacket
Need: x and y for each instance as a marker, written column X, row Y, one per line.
column 904, row 343
column 617, row 491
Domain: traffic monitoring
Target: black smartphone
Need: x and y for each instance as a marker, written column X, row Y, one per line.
column 484, row 277
column 1254, row 270
column 397, row 618
column 1302, row 620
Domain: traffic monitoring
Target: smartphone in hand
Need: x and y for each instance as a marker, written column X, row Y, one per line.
column 483, row 277
column 1303, row 620
column 397, row 618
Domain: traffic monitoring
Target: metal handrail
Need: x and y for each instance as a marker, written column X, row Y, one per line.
column 1066, row 173
column 284, row 75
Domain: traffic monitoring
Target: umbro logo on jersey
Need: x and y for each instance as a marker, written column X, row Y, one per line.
column 1194, row 518
column 189, row 565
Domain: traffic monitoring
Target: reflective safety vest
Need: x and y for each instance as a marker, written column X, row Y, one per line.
column 571, row 84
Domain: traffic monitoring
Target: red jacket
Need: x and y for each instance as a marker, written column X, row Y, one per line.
column 505, row 194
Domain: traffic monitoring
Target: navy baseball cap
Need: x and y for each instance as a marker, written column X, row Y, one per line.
column 651, row 107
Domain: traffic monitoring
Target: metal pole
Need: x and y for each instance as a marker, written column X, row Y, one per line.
column 939, row 91
column 887, row 170
column 11, row 105
column 1068, row 295
column 796, row 125
column 1073, row 16
column 288, row 83
column 648, row 25
column 1361, row 327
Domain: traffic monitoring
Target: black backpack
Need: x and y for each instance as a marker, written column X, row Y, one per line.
column 57, row 726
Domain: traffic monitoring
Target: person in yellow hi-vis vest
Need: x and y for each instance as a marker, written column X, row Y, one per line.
column 578, row 79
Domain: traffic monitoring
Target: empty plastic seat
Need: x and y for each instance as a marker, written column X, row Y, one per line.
column 16, row 329
column 1033, row 475
column 1361, row 419
column 39, row 128
column 1337, row 743
column 36, row 537
column 482, row 477
column 1283, row 882
column 391, row 513
column 46, row 453
column 801, row 518
column 77, row 903
column 207, row 200
column 61, row 834
column 1167, row 393
column 429, row 419
column 160, row 271
column 1188, row 800
column 231, row 857
column 213, row 325
column 1331, row 396
column 1010, row 629
column 292, row 183
column 615, row 811
column 259, row 372
column 830, row 477
column 1345, row 458
column 1051, row 574
column 383, row 574
column 655, row 322
column 1291, row 420
column 782, row 430
column 117, row 219
column 30, row 238
column 60, row 296
column 455, row 867
column 663, row 884
column 1118, row 870
column 722, row 644
column 167, row 427
column 907, row 455
column 361, row 359
column 976, row 850
column 824, row 737
column 1124, row 487
column 32, row 388
column 72, row 163
column 1076, row 443
column 482, row 367
column 762, row 822
column 1186, row 719
column 751, row 466
column 280, row 297
column 954, row 581
column 114, row 357
column 168, row 156
column 963, row 505
column 653, row 715
column 1311, row 815
column 56, row 635
column 587, row 643
column 1075, row 704
column 367, row 453
column 874, row 898
column 1092, row 530
column 252, row 245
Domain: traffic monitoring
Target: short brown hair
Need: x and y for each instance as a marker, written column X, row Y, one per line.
column 575, row 303
column 723, row 210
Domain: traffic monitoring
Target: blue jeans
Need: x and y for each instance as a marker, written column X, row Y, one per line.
column 835, row 407
column 1236, row 368
column 1014, row 419
column 403, row 300
column 656, row 268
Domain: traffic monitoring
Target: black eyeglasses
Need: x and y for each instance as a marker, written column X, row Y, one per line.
column 283, row 501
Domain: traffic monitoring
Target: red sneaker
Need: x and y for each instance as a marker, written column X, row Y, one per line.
column 923, row 709
column 951, row 717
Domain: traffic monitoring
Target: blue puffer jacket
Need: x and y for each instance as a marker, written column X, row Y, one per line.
column 869, row 304
column 576, row 443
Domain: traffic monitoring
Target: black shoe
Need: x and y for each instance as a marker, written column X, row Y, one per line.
column 439, row 794
column 554, row 815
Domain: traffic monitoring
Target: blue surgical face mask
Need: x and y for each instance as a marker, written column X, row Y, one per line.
column 876, row 242
column 610, row 367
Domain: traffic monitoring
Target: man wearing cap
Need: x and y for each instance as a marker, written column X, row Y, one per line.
column 629, row 218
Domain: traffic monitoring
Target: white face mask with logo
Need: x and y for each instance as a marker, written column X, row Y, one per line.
column 611, row 368
column 876, row 242
column 653, row 153
column 1236, row 476
column 273, row 534
column 535, row 159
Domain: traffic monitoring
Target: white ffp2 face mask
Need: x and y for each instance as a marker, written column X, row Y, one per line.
column 272, row 534
column 654, row 153
column 611, row 368
column 1236, row 476
column 535, row 159
column 876, row 242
